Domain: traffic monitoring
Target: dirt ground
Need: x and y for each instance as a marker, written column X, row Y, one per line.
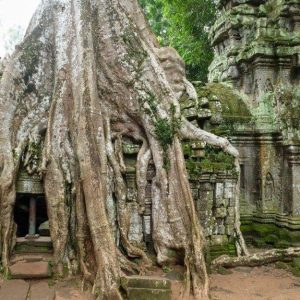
column 260, row 283
column 243, row 283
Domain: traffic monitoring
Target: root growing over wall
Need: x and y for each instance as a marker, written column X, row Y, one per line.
column 87, row 75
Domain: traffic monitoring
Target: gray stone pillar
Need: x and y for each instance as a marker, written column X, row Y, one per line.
column 32, row 216
column 294, row 178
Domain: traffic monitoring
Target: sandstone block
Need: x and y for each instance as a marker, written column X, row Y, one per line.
column 14, row 290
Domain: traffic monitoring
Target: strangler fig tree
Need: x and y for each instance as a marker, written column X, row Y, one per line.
column 88, row 74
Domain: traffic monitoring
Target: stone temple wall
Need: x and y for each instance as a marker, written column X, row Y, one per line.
column 257, row 56
column 211, row 173
column 214, row 196
column 213, row 193
column 253, row 98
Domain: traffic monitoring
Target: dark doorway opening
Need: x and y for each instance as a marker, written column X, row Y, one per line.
column 21, row 212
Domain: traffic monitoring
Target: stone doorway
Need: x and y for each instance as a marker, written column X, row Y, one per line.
column 30, row 212
column 30, row 215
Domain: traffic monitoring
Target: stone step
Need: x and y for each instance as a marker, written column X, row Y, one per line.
column 30, row 270
column 39, row 245
column 31, row 257
column 148, row 294
column 146, row 287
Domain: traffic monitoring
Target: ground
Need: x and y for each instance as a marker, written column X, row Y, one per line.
column 41, row 290
column 259, row 283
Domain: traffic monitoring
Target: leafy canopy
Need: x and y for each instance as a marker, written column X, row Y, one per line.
column 184, row 25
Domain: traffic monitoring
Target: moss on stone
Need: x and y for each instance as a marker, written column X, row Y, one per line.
column 272, row 9
column 270, row 235
column 32, row 249
column 294, row 267
column 218, row 250
column 215, row 160
column 234, row 108
column 296, row 262
column 281, row 265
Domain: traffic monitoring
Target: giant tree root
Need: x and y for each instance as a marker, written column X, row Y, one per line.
column 257, row 259
column 88, row 74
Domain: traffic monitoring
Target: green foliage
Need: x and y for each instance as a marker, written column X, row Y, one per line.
column 164, row 128
column 167, row 269
column 154, row 10
column 184, row 25
column 215, row 160
column 164, row 132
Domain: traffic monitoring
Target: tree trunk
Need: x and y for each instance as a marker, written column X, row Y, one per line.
column 257, row 259
column 89, row 73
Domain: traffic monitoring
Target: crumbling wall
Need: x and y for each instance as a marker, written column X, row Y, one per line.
column 256, row 45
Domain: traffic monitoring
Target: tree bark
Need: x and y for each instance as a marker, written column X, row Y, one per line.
column 89, row 73
column 257, row 259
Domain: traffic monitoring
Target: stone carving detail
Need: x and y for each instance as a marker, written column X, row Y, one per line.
column 269, row 187
column 261, row 65
column 268, row 86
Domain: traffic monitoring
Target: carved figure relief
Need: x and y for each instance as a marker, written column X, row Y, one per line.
column 269, row 187
column 269, row 86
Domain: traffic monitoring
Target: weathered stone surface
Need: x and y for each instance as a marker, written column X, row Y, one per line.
column 41, row 241
column 175, row 275
column 254, row 98
column 41, row 291
column 221, row 212
column 28, row 270
column 14, row 290
column 148, row 294
column 31, row 184
column 43, row 244
column 145, row 282
column 44, row 229
column 146, row 288
column 31, row 257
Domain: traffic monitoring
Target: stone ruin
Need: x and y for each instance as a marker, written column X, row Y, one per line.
column 253, row 98
column 257, row 59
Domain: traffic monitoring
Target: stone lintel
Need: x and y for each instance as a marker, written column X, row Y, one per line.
column 257, row 137
column 264, row 61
